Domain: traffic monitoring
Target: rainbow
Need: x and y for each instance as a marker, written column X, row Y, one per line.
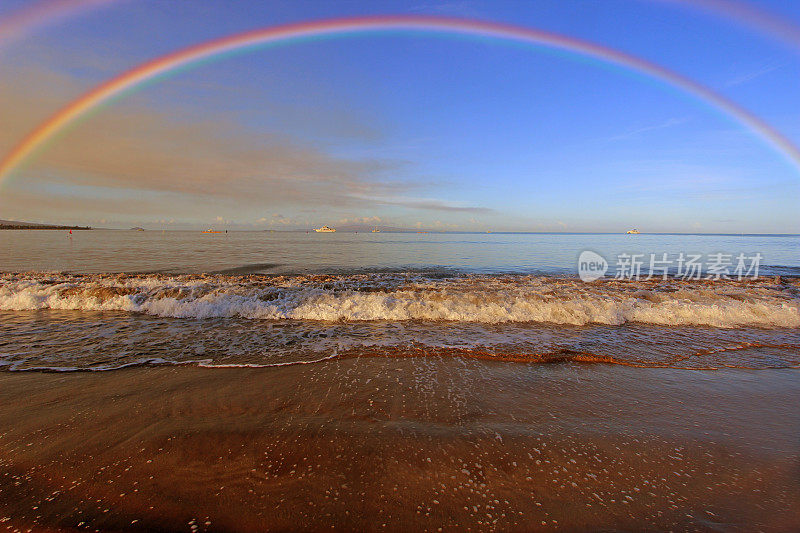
column 747, row 15
column 191, row 56
column 20, row 22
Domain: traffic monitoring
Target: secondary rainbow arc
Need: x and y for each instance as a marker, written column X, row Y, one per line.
column 749, row 16
column 332, row 27
column 17, row 23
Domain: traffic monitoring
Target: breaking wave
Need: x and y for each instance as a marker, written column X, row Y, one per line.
column 766, row 303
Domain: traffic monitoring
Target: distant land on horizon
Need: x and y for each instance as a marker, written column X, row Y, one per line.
column 355, row 228
column 16, row 224
column 363, row 228
column 391, row 229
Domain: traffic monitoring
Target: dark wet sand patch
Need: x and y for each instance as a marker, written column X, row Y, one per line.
column 414, row 444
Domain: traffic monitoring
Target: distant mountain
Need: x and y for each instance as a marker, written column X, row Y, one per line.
column 364, row 228
column 16, row 224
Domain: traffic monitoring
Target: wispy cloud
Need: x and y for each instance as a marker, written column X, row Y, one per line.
column 460, row 8
column 749, row 76
column 277, row 219
column 664, row 179
column 431, row 204
column 669, row 123
column 360, row 220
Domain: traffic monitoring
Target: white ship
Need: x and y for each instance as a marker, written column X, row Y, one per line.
column 325, row 229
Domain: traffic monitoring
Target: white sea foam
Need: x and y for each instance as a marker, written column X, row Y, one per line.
column 395, row 297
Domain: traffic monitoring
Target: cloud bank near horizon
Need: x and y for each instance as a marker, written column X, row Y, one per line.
column 136, row 159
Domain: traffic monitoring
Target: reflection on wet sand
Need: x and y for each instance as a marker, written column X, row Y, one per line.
column 400, row 443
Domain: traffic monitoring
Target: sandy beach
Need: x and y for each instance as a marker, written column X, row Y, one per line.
column 401, row 444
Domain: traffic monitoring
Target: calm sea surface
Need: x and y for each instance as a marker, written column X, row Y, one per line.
column 300, row 252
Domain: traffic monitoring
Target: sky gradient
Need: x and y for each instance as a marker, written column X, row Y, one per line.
column 407, row 129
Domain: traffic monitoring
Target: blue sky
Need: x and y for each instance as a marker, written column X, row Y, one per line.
column 408, row 129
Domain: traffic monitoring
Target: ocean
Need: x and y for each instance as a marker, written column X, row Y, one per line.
column 183, row 252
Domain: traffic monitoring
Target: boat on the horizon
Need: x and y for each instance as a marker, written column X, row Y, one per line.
column 633, row 231
column 376, row 230
column 209, row 230
column 325, row 229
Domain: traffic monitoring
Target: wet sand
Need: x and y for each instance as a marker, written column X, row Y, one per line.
column 401, row 444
